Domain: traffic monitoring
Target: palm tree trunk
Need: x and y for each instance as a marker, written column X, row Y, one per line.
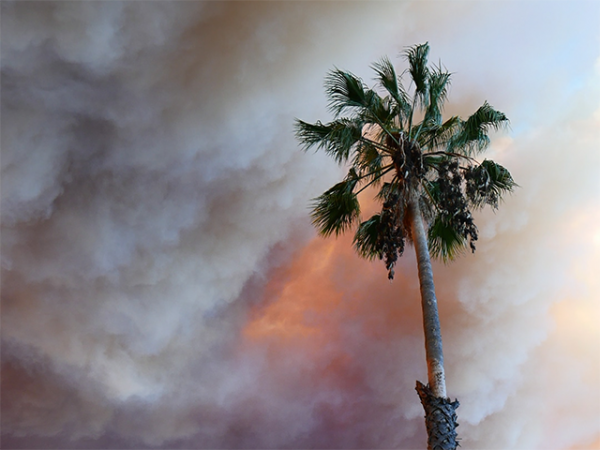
column 440, row 412
column 431, row 321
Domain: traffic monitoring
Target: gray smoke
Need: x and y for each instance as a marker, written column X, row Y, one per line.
column 162, row 286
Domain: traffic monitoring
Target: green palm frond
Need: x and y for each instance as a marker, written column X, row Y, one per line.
column 425, row 132
column 336, row 209
column 386, row 74
column 417, row 60
column 473, row 137
column 368, row 159
column 337, row 138
column 345, row 91
column 377, row 110
column 438, row 81
column 367, row 240
column 387, row 77
column 432, row 187
column 445, row 242
column 487, row 183
column 437, row 136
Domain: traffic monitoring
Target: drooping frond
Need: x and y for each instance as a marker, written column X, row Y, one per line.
column 345, row 91
column 337, row 138
column 417, row 60
column 487, row 182
column 367, row 238
column 337, row 208
column 473, row 137
column 453, row 220
column 445, row 242
column 382, row 236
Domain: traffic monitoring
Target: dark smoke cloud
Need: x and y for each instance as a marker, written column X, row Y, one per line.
column 161, row 285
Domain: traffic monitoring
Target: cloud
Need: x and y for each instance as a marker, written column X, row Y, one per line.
column 162, row 286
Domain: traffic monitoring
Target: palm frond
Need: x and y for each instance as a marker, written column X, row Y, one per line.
column 436, row 136
column 368, row 159
column 487, row 183
column 367, row 240
column 432, row 187
column 336, row 209
column 445, row 242
column 417, row 60
column 337, row 138
column 473, row 137
column 382, row 236
column 439, row 81
column 387, row 77
column 345, row 91
column 377, row 110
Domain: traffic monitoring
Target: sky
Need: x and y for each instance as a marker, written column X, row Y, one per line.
column 162, row 285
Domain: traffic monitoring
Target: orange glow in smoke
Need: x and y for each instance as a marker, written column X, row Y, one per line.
column 298, row 296
column 590, row 446
column 327, row 285
column 577, row 315
column 302, row 312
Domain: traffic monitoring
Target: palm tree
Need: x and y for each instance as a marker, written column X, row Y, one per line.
column 428, row 183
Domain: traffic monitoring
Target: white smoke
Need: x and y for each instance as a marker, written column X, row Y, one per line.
column 154, row 207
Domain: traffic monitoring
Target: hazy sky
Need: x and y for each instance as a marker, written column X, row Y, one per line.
column 162, row 286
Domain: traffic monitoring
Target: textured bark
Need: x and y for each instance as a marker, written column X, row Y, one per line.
column 440, row 419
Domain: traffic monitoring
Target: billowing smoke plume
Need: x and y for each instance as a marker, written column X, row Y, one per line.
column 161, row 283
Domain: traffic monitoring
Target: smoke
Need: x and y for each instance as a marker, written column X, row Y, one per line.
column 161, row 283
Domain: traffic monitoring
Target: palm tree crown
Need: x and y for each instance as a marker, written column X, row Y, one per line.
column 397, row 141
